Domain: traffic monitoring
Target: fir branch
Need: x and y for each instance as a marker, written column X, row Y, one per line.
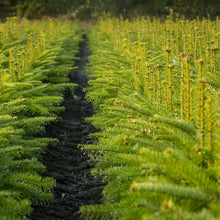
column 172, row 190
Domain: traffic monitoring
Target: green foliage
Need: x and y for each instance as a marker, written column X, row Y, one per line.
column 158, row 144
column 35, row 60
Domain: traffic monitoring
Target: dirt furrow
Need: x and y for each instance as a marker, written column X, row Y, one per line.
column 65, row 162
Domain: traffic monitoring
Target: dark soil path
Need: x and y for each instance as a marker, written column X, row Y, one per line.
column 66, row 162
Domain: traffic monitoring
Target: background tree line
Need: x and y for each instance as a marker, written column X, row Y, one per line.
column 85, row 9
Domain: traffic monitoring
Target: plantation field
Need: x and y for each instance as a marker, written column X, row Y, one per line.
column 155, row 88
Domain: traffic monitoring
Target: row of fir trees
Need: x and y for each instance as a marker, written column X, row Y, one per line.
column 156, row 90
column 35, row 57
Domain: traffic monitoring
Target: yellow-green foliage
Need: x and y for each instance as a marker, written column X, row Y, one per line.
column 35, row 57
column 155, row 89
